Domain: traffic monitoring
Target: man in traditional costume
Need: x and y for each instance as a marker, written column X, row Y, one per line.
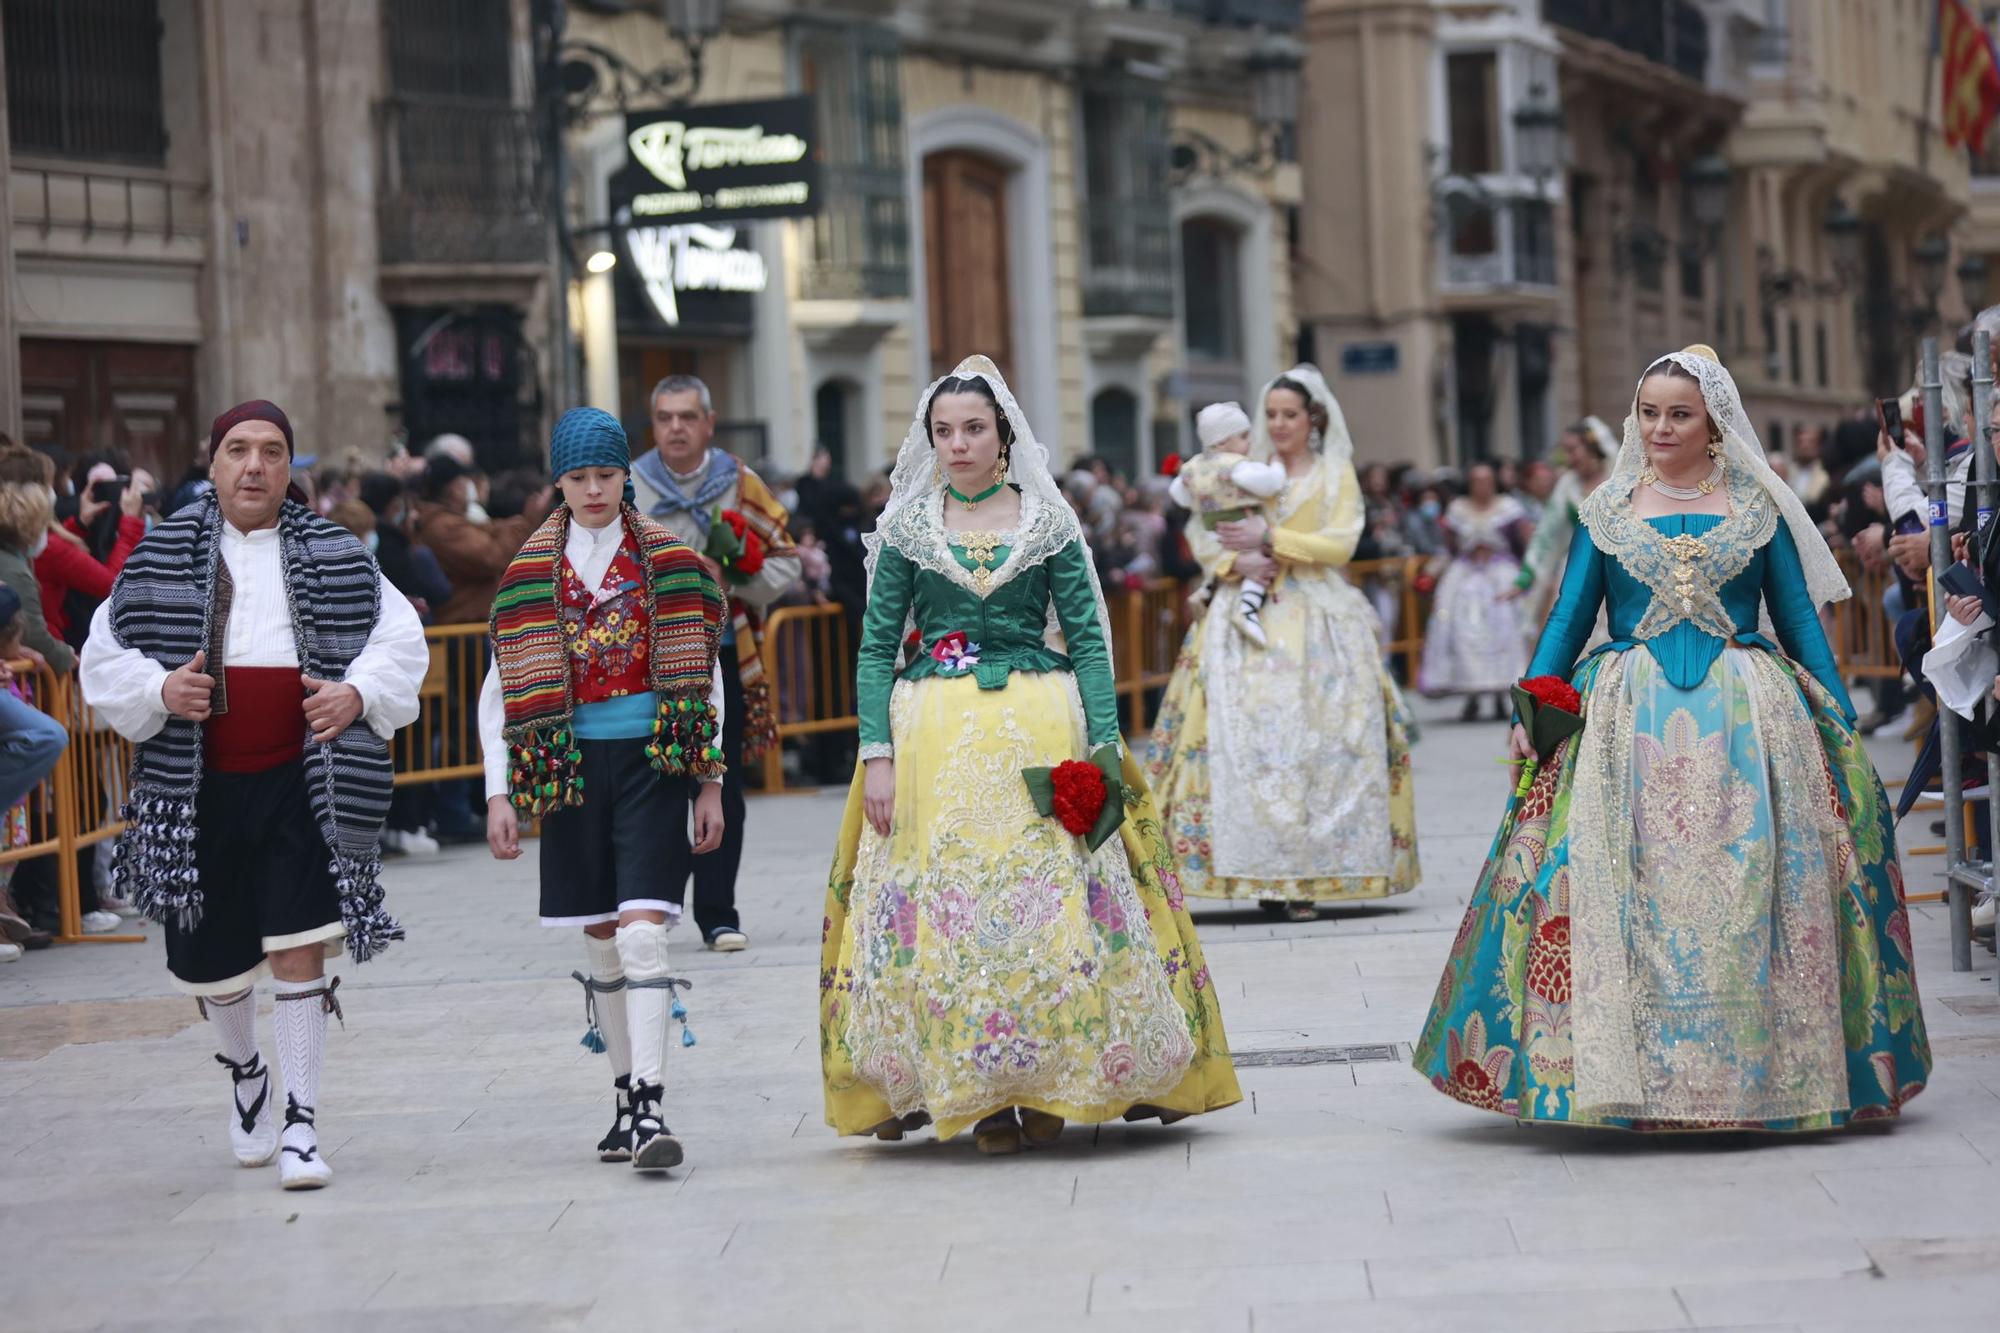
column 713, row 502
column 241, row 644
column 604, row 682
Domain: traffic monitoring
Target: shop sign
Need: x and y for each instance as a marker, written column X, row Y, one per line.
column 720, row 163
column 695, row 274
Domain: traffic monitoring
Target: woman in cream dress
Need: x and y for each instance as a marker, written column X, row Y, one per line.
column 1283, row 773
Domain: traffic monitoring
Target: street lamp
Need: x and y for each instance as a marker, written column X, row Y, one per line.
column 1538, row 135
column 1707, row 184
column 693, row 21
column 1274, row 66
column 571, row 76
column 1842, row 226
column 1928, row 258
column 1972, row 282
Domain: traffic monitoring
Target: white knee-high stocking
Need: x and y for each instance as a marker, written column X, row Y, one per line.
column 608, row 1003
column 642, row 951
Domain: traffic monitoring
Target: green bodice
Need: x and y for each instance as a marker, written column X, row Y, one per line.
column 1004, row 630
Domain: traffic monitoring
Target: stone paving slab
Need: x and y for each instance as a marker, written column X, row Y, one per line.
column 459, row 1113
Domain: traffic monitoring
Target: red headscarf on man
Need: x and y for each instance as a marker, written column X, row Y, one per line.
column 257, row 409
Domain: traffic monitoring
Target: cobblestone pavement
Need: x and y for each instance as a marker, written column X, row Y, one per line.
column 460, row 1112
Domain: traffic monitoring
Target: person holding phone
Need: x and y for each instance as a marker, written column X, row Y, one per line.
column 87, row 551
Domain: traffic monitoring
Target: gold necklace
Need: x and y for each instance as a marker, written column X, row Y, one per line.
column 980, row 547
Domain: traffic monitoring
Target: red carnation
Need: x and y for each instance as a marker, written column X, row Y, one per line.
column 1170, row 466
column 752, row 559
column 737, row 523
column 1080, row 795
column 1554, row 692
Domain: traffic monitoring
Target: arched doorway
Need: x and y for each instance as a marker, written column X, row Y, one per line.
column 968, row 301
column 1212, row 321
column 834, row 406
column 1114, row 430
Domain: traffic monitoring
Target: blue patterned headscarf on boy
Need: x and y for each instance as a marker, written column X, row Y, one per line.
column 590, row 437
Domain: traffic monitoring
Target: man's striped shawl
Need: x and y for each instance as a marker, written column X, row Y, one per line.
column 684, row 616
column 171, row 601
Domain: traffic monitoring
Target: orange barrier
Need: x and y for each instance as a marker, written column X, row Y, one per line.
column 1864, row 642
column 76, row 807
column 1404, row 576
column 443, row 743
column 810, row 669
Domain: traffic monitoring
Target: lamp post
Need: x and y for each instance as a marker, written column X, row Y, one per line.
column 1972, row 282
column 573, row 76
column 1274, row 66
column 1540, row 136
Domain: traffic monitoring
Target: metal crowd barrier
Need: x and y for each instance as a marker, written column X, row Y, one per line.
column 76, row 806
column 442, row 745
column 1963, row 874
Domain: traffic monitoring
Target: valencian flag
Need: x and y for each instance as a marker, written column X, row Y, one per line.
column 1971, row 75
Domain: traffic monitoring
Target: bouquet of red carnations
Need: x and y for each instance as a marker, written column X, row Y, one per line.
column 734, row 545
column 1551, row 712
column 1087, row 799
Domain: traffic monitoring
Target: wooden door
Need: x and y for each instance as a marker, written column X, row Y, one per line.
column 965, row 261
column 91, row 396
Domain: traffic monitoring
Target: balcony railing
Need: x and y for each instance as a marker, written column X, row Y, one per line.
column 1500, row 244
column 461, row 183
column 87, row 204
column 861, row 239
column 1280, row 15
column 1673, row 33
column 1129, row 262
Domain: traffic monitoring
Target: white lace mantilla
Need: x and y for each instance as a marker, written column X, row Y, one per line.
column 1742, row 457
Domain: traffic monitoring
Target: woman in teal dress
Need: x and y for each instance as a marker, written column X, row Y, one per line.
column 1694, row 918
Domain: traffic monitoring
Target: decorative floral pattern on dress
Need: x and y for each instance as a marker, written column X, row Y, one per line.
column 995, row 961
column 1357, row 782
column 1502, row 1031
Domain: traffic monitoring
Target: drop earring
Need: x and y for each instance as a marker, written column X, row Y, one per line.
column 1000, row 469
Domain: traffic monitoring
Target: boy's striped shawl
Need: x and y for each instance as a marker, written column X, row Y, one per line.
column 684, row 615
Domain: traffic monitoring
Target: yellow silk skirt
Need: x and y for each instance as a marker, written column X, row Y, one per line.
column 980, row 957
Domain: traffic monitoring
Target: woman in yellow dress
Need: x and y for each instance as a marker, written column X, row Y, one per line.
column 1283, row 772
column 981, row 965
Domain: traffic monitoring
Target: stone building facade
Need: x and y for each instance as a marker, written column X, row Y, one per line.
column 1468, row 305
column 348, row 208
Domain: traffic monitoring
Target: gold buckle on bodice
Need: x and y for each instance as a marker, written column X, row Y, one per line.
column 1686, row 550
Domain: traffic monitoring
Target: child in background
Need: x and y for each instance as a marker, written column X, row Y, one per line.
column 1222, row 484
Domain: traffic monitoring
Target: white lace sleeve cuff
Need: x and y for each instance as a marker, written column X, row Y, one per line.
column 880, row 750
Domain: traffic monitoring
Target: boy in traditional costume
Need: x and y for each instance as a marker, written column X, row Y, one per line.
column 604, row 682
column 243, row 640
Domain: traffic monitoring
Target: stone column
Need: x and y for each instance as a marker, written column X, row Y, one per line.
column 1368, row 282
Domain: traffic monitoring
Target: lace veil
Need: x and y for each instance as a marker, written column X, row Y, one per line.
column 1742, row 451
column 913, row 520
column 1334, row 444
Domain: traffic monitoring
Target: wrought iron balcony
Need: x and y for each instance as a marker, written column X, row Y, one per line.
column 861, row 239
column 1278, row 15
column 1129, row 261
column 1673, row 33
column 461, row 182
column 1499, row 244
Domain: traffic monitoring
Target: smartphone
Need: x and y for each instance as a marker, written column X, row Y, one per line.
column 107, row 492
column 1890, row 413
column 1962, row 580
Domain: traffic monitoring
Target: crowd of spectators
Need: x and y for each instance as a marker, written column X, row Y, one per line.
column 444, row 529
